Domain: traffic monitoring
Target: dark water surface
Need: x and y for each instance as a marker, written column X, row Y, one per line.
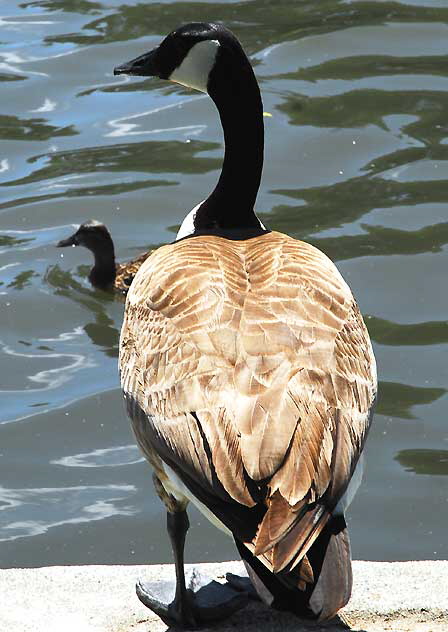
column 356, row 163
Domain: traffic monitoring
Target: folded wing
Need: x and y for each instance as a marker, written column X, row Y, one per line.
column 253, row 371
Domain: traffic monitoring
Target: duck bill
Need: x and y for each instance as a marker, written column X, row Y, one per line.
column 142, row 66
column 70, row 241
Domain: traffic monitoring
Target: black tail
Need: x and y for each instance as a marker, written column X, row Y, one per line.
column 330, row 560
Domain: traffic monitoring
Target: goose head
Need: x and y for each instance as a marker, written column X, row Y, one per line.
column 189, row 55
column 209, row 58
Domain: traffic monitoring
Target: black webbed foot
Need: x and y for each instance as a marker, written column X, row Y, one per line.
column 205, row 600
column 242, row 584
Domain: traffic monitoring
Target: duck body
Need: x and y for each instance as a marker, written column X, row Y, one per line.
column 246, row 367
column 105, row 274
column 126, row 271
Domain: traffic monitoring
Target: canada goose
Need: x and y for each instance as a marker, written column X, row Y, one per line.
column 105, row 273
column 246, row 367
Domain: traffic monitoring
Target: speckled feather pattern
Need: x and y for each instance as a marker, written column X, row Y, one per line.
column 125, row 272
column 255, row 370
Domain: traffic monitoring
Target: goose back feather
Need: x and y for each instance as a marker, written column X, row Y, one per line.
column 246, row 367
column 253, row 378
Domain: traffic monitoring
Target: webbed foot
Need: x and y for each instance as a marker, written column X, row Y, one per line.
column 204, row 601
column 242, row 584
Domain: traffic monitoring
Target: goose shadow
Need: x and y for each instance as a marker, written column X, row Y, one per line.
column 257, row 617
column 251, row 614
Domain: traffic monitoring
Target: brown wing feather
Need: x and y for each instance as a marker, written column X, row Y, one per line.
column 263, row 340
column 125, row 272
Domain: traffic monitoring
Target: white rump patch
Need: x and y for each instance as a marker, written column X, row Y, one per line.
column 196, row 66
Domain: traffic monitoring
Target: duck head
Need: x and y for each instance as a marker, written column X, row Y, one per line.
column 92, row 235
column 95, row 236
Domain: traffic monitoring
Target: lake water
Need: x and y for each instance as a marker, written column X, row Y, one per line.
column 356, row 163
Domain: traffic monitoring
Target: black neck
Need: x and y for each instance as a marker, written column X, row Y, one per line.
column 234, row 89
column 102, row 274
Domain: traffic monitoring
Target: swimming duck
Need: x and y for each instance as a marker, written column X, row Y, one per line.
column 246, row 367
column 105, row 274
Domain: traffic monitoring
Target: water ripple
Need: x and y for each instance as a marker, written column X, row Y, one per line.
column 50, row 378
column 103, row 457
column 356, row 155
column 55, row 507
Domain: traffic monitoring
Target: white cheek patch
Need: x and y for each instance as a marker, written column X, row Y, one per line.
column 195, row 68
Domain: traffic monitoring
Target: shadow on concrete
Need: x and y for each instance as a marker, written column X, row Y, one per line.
column 259, row 618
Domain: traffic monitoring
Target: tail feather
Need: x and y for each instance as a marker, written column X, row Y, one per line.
column 290, row 550
column 333, row 587
column 318, row 585
column 276, row 590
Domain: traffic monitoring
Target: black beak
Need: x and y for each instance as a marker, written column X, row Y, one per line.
column 70, row 241
column 143, row 66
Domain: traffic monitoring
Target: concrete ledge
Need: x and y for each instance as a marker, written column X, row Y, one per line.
column 393, row 596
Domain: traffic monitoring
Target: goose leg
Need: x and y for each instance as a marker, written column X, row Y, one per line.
column 180, row 610
column 196, row 601
column 182, row 607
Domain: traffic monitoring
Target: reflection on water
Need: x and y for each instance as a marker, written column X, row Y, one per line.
column 354, row 68
column 11, row 77
column 64, row 284
column 14, row 128
column 145, row 157
column 22, row 279
column 361, row 108
column 102, row 331
column 420, row 461
column 385, row 332
column 346, row 202
column 397, row 400
column 104, row 334
column 9, row 241
column 379, row 241
column 356, row 163
column 249, row 20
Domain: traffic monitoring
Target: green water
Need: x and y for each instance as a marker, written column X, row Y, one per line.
column 356, row 163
